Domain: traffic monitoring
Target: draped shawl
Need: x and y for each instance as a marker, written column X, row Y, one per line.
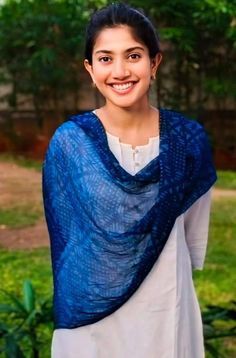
column 107, row 227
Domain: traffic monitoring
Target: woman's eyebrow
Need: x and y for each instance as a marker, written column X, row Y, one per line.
column 128, row 50
column 135, row 48
column 103, row 51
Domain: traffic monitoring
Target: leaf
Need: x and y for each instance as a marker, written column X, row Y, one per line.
column 208, row 331
column 212, row 350
column 3, row 329
column 218, row 313
column 14, row 299
column 9, row 309
column 12, row 349
column 29, row 296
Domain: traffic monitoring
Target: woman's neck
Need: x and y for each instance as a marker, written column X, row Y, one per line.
column 134, row 126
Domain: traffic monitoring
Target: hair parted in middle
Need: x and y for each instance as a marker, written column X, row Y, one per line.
column 121, row 14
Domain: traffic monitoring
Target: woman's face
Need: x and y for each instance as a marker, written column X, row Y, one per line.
column 121, row 67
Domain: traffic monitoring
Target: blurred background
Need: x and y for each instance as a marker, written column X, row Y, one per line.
column 42, row 82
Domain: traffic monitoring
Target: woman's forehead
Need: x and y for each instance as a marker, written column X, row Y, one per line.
column 116, row 39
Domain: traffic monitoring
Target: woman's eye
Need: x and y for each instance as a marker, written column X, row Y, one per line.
column 104, row 59
column 134, row 56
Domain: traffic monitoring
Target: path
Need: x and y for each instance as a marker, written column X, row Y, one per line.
column 21, row 186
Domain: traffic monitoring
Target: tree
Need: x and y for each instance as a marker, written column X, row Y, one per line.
column 200, row 56
column 41, row 46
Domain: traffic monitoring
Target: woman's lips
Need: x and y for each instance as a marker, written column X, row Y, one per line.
column 122, row 88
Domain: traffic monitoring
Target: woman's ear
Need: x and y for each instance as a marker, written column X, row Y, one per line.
column 155, row 63
column 89, row 68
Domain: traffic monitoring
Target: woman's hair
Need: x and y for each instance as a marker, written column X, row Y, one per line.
column 121, row 14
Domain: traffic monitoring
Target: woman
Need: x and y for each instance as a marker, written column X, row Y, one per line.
column 127, row 199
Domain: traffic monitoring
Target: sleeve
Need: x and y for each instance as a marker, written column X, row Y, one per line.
column 196, row 225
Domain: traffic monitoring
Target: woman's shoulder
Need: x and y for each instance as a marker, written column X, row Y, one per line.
column 184, row 125
column 66, row 134
column 177, row 117
column 70, row 127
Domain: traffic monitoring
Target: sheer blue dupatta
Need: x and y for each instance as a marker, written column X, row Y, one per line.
column 107, row 228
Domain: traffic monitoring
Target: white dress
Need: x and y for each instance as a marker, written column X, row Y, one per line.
column 162, row 319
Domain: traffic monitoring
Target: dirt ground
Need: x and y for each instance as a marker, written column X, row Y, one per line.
column 19, row 187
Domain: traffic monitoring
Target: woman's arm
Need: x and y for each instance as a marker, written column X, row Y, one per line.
column 196, row 224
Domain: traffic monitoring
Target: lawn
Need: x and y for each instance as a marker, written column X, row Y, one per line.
column 226, row 179
column 19, row 216
column 216, row 284
column 21, row 160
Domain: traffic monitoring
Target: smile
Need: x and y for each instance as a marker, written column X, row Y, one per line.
column 122, row 88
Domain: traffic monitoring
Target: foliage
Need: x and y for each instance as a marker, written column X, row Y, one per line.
column 201, row 38
column 41, row 45
column 216, row 283
column 15, row 266
column 27, row 316
column 218, row 322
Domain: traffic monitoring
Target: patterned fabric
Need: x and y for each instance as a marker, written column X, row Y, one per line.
column 108, row 227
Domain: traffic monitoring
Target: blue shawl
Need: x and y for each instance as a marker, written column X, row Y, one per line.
column 107, row 228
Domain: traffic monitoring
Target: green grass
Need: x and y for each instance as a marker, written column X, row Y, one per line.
column 16, row 266
column 226, row 179
column 22, row 161
column 216, row 284
column 19, row 217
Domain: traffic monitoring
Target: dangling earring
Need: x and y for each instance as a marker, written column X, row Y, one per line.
column 153, row 77
column 94, row 85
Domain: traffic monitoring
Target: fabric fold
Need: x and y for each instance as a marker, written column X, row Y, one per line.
column 99, row 256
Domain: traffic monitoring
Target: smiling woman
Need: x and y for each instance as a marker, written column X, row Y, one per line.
column 121, row 68
column 127, row 199
column 121, row 65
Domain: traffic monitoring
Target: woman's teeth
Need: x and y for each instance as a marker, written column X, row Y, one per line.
column 123, row 86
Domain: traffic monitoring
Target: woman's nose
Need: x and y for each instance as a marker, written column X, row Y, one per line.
column 120, row 69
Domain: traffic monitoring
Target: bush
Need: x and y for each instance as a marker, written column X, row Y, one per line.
column 24, row 323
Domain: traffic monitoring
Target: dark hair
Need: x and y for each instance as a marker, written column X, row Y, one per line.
column 121, row 14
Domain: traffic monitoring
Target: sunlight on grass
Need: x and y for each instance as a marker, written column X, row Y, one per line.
column 19, row 217
column 226, row 179
column 16, row 266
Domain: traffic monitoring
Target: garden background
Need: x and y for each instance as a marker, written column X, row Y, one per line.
column 42, row 81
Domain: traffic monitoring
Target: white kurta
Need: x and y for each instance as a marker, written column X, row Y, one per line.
column 162, row 319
